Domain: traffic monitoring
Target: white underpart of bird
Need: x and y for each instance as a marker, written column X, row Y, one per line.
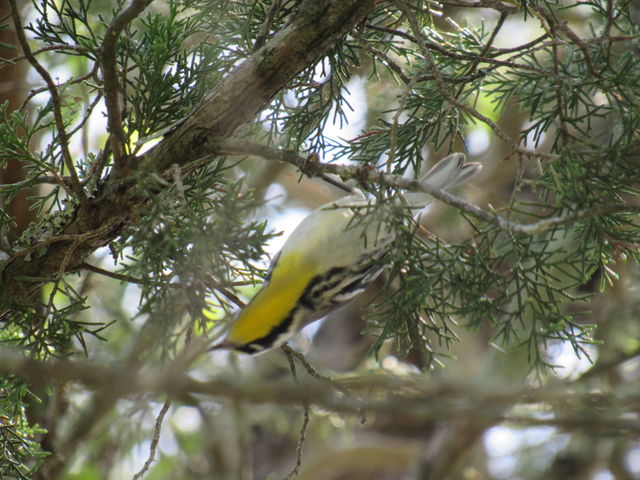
column 331, row 257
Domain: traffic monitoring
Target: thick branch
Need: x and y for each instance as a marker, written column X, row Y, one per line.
column 236, row 100
column 252, row 86
column 407, row 397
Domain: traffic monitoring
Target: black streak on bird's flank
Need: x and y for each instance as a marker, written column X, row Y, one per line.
column 320, row 284
column 308, row 301
column 268, row 340
column 323, row 294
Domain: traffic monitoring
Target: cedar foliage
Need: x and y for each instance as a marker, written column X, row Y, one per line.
column 179, row 227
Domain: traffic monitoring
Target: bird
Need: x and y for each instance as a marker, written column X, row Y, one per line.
column 330, row 258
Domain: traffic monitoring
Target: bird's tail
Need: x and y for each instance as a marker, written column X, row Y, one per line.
column 447, row 173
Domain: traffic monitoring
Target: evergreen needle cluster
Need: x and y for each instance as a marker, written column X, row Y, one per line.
column 178, row 221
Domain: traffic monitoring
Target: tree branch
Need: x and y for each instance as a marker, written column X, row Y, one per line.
column 371, row 175
column 115, row 275
column 439, row 80
column 407, row 397
column 397, row 69
column 108, row 54
column 56, row 48
column 154, row 441
column 237, row 99
column 55, row 100
column 468, row 56
column 71, row 81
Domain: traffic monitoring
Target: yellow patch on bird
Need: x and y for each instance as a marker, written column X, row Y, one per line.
column 274, row 302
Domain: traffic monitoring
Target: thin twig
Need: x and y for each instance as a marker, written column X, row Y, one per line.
column 55, row 100
column 57, row 47
column 118, row 276
column 154, row 441
column 555, row 25
column 289, row 352
column 475, row 63
column 372, row 175
column 460, row 56
column 87, row 113
column 265, row 28
column 605, row 366
column 524, row 47
column 210, row 283
column 72, row 81
column 433, row 68
column 499, row 5
column 397, row 69
column 455, row 80
column 393, row 132
column 610, row 19
column 557, row 86
column 41, row 179
column 213, row 285
column 108, row 59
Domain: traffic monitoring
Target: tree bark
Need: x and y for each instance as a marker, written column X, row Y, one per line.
column 14, row 89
